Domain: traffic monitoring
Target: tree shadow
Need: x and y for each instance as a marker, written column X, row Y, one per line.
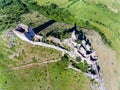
column 80, row 33
column 88, row 42
column 81, row 36
column 57, row 33
column 43, row 26
column 72, row 29
column 54, row 34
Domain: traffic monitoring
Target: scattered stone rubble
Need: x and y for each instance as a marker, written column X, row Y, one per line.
column 85, row 51
column 11, row 39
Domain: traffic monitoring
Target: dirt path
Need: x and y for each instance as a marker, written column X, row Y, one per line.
column 48, row 79
column 33, row 64
column 107, row 60
column 28, row 65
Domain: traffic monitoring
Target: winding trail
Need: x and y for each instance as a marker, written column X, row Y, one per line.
column 48, row 79
column 28, row 65
column 33, row 64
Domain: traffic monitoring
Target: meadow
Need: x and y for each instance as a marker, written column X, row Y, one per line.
column 38, row 76
column 33, row 77
column 98, row 15
column 90, row 15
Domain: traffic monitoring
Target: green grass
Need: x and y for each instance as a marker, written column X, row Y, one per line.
column 10, row 12
column 35, row 78
column 115, row 4
column 98, row 16
column 32, row 78
column 82, row 66
column 98, row 13
column 65, row 79
column 90, row 15
column 87, row 15
column 29, row 78
column 25, row 52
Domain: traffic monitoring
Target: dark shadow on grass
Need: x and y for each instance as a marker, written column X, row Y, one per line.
column 43, row 26
column 72, row 29
column 57, row 33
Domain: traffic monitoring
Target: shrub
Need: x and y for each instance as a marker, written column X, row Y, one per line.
column 82, row 66
column 11, row 11
column 65, row 57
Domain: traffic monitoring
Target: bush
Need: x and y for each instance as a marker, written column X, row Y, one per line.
column 11, row 11
column 52, row 11
column 65, row 57
column 63, row 63
column 34, row 59
column 64, row 34
column 78, row 59
column 54, row 6
column 82, row 66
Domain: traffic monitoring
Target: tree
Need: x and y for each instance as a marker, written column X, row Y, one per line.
column 53, row 6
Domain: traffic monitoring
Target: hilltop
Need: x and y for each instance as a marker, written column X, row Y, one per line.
column 98, row 19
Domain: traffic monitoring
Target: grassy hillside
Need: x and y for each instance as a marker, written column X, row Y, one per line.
column 114, row 5
column 88, row 15
column 21, row 65
column 91, row 15
column 35, row 78
column 10, row 12
column 94, row 15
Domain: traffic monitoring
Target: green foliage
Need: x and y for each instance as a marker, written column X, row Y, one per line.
column 25, row 79
column 10, row 12
column 67, row 47
column 64, row 34
column 3, row 59
column 66, row 79
column 65, row 57
column 34, row 59
column 82, row 66
column 92, row 81
column 104, row 38
column 52, row 11
column 78, row 59
column 53, row 6
column 5, row 3
column 97, row 13
column 3, row 54
column 64, row 61
column 79, row 41
column 50, row 42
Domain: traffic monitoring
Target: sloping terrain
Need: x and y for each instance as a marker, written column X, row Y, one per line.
column 21, row 64
column 107, row 59
column 29, row 67
column 25, row 68
column 98, row 15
